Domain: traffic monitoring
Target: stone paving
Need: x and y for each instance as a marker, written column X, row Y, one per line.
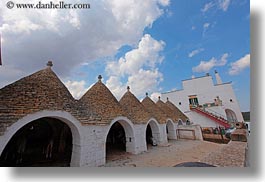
column 230, row 155
column 181, row 151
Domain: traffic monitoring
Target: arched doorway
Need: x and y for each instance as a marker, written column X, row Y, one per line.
column 116, row 139
column 230, row 115
column 152, row 134
column 171, row 132
column 120, row 139
column 42, row 142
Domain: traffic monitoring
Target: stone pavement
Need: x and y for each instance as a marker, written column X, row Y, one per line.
column 181, row 151
column 230, row 155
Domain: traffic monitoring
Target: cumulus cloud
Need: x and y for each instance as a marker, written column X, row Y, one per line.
column 164, row 2
column 138, row 68
column 223, row 60
column 116, row 86
column 194, row 52
column 71, row 37
column 154, row 96
column 239, row 65
column 146, row 54
column 145, row 81
column 205, row 66
column 76, row 88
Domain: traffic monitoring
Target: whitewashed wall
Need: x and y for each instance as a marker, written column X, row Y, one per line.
column 89, row 141
column 206, row 92
column 184, row 132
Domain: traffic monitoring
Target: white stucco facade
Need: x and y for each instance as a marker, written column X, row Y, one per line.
column 89, row 141
column 44, row 124
column 205, row 91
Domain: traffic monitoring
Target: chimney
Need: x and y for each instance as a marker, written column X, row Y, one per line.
column 218, row 78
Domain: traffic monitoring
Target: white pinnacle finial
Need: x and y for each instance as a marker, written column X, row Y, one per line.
column 218, row 78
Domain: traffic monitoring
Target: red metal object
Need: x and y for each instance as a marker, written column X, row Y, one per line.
column 213, row 117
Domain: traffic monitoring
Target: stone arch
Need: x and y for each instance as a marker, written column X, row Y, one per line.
column 63, row 116
column 171, row 131
column 230, row 115
column 180, row 122
column 153, row 125
column 128, row 128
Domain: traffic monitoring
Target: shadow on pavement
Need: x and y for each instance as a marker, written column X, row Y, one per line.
column 193, row 164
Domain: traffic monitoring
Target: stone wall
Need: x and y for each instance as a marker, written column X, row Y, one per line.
column 192, row 132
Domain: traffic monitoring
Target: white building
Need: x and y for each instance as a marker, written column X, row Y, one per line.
column 41, row 124
column 206, row 103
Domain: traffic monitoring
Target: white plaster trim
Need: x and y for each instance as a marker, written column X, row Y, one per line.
column 155, row 127
column 169, row 120
column 171, row 128
column 156, row 124
column 129, row 133
column 124, row 121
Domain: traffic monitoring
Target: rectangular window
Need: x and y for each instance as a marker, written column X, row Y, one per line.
column 193, row 100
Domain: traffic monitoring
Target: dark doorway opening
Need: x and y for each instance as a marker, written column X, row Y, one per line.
column 43, row 142
column 150, row 141
column 167, row 130
column 116, row 141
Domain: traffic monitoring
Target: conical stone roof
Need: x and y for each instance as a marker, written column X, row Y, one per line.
column 42, row 90
column 101, row 101
column 133, row 108
column 154, row 110
column 180, row 114
column 167, row 110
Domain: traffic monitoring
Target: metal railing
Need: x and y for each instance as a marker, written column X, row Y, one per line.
column 215, row 113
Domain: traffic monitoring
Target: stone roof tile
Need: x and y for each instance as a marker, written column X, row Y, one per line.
column 40, row 91
column 100, row 100
column 154, row 110
column 133, row 108
column 169, row 112
column 180, row 114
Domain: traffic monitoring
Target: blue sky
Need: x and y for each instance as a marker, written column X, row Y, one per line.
column 182, row 29
column 150, row 45
column 183, row 33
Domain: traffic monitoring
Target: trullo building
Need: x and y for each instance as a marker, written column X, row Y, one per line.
column 41, row 124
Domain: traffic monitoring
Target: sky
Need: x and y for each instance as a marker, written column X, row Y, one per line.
column 150, row 45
